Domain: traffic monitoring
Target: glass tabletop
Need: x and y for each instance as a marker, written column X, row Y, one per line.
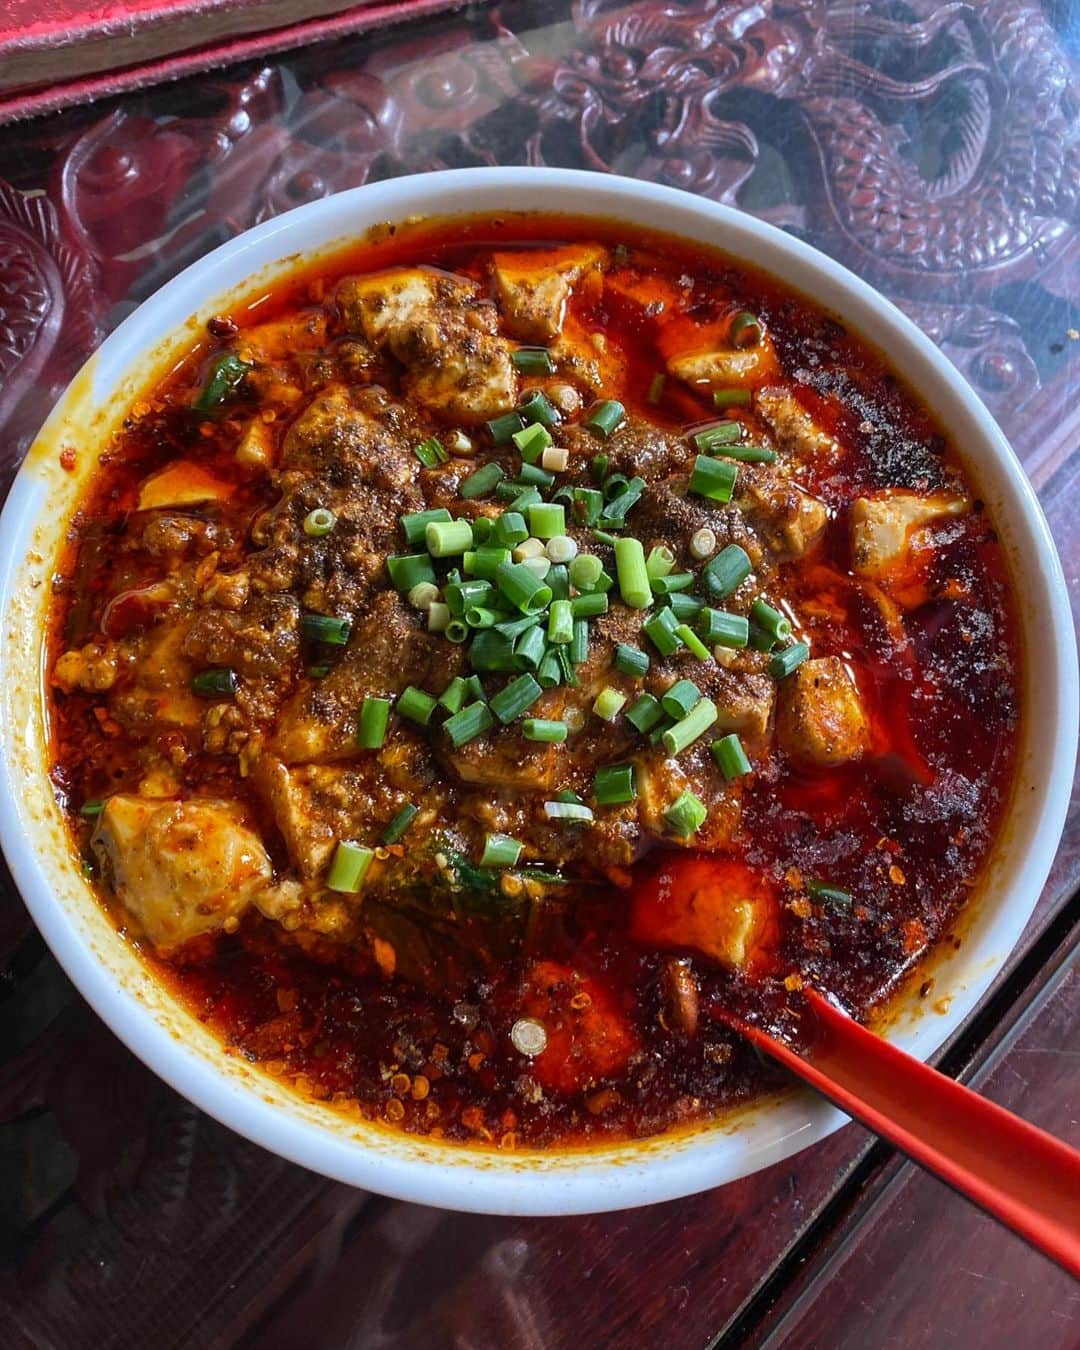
column 932, row 148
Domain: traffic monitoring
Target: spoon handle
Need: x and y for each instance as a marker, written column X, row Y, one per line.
column 1021, row 1175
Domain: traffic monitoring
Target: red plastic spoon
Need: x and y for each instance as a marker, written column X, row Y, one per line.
column 1021, row 1175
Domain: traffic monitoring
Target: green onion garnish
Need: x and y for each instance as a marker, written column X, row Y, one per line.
column 588, row 503
column 462, row 595
column 214, row 683
column 416, row 705
column 400, row 823
column 537, row 409
column 726, row 572
column 598, row 466
column 417, row 522
column 533, row 475
column 543, row 729
column 546, row 520
column 409, row 569
column 533, row 361
column 686, row 815
column 604, row 417
column 730, row 756
column 484, row 562
column 530, row 647
column 585, row 571
column 645, row 713
column 491, row 652
column 745, row 330
column 479, row 616
column 713, row 478
column 319, row 522
column 660, row 628
column 482, row 530
column 693, row 642
column 480, row 483
column 660, row 562
column 558, row 578
column 777, row 625
column 372, row 722
column 528, row 496
column 510, row 529
column 748, row 454
column 430, row 453
column 549, row 671
column 500, row 850
column 318, row 672
column 731, row 398
column 532, row 441
column 453, row 696
column 579, row 643
column 470, row 722
column 791, row 658
column 656, row 388
column 92, row 809
column 761, row 639
column 456, row 631
column 684, row 607
column 603, row 537
column 588, row 606
column 696, row 722
column 224, row 379
column 567, row 810
column 325, row 628
column 674, row 581
column 520, row 694
column 718, row 628
column 608, row 704
column 561, row 622
column 522, row 587
column 830, row 895
column 349, row 868
column 502, row 428
column 515, row 627
column 680, row 698
column 630, row 569
column 631, row 661
column 720, row 433
column 614, row 784
column 445, row 538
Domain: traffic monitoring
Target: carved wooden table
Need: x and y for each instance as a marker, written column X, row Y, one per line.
column 129, row 1219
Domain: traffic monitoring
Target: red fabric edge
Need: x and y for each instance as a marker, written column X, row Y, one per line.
column 35, row 103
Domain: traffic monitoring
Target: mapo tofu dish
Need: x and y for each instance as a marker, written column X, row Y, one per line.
column 502, row 656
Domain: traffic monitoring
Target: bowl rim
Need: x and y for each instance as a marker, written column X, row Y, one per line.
column 452, row 1176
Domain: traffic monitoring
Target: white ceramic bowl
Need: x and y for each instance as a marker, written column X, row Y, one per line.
column 177, row 1047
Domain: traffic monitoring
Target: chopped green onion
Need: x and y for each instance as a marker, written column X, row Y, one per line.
column 604, row 417
column 319, row 522
column 615, row 484
column 456, row 631
column 491, row 652
column 372, row 722
column 483, row 562
column 567, row 810
column 608, row 704
column 598, row 465
column 532, row 441
column 660, row 562
column 749, row 454
column 430, row 453
column 660, row 629
column 615, row 512
column 745, row 330
column 462, row 595
column 317, row 672
column 416, row 705
column 761, row 639
column 830, row 895
column 509, row 703
column 325, row 628
column 537, row 409
column 482, row 529
column 680, row 698
column 720, row 629
column 510, row 529
column 349, row 867
column 614, row 784
column 693, row 642
column 503, row 428
column 226, row 375
column 561, row 621
column 633, row 578
column 569, row 795
column 696, row 722
column 92, row 809
column 645, row 713
column 533, row 361
column 726, row 572
column 588, row 503
column 530, row 648
column 533, row 475
column 674, row 581
column 452, row 698
column 631, row 661
column 588, row 606
column 214, row 683
column 656, row 388
column 776, row 624
column 720, row 433
column 479, row 616
column 445, row 538
column 730, row 757
column 409, row 569
column 501, row 850
column 603, row 537
column 542, row 729
column 579, row 643
column 791, row 658
column 423, row 595
column 585, row 571
column 400, row 823
column 566, row 666
column 562, row 549
column 731, row 398
column 546, row 520
column 539, row 567
column 684, row 607
column 515, row 627
column 528, row 496
column 686, row 815
column 480, row 483
column 470, row 722
column 417, row 522
column 713, row 478
column 522, row 587
column 549, row 671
